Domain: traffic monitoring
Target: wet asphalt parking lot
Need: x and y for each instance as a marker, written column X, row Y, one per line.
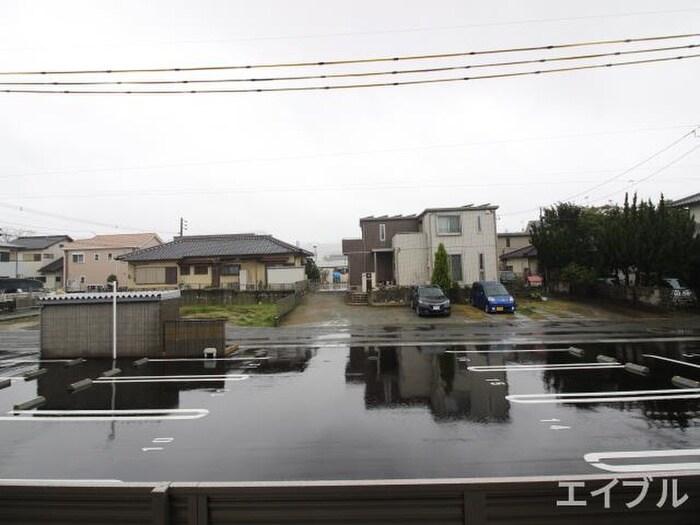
column 380, row 403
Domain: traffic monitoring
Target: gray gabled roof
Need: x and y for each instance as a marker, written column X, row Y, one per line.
column 526, row 251
column 39, row 242
column 685, row 201
column 236, row 245
column 54, row 266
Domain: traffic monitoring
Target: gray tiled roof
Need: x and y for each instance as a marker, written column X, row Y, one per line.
column 235, row 245
column 685, row 201
column 39, row 242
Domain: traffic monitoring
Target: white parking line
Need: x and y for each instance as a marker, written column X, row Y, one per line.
column 515, row 341
column 594, row 459
column 163, row 440
column 567, row 366
column 105, row 415
column 654, row 356
column 151, row 449
column 177, row 359
column 33, row 361
column 607, row 397
column 172, row 379
column 60, row 481
column 520, row 351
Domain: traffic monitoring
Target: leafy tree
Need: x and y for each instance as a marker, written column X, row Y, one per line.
column 312, row 271
column 648, row 240
column 441, row 269
column 111, row 278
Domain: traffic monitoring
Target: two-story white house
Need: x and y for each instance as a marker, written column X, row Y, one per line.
column 401, row 249
column 469, row 236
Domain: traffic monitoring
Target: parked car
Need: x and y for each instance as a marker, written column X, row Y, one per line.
column 491, row 297
column 430, row 300
column 680, row 294
column 508, row 277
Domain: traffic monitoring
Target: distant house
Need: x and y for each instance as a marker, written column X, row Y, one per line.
column 401, row 249
column 239, row 261
column 522, row 261
column 8, row 260
column 89, row 262
column 516, row 253
column 40, row 257
column 692, row 204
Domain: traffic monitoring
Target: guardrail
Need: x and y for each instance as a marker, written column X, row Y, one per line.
column 517, row 501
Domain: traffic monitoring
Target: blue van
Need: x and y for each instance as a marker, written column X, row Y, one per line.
column 491, row 297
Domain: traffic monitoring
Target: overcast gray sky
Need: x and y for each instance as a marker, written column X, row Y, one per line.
column 306, row 165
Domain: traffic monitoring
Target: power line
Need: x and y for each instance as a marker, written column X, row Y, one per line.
column 114, row 226
column 366, row 33
column 355, row 60
column 346, row 86
column 639, row 164
column 663, row 168
column 341, row 154
column 348, row 75
column 302, row 189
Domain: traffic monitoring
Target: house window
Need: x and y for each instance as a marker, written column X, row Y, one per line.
column 97, row 257
column 78, row 258
column 448, row 225
column 37, row 257
column 82, row 279
column 109, row 256
column 149, row 276
column 4, row 256
column 48, row 256
column 58, row 279
column 478, row 223
column 185, row 269
column 456, row 267
column 201, row 269
column 230, row 269
column 481, row 261
column 382, row 232
column 507, row 242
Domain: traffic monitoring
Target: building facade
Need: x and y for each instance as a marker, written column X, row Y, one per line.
column 692, row 204
column 35, row 254
column 238, row 261
column 87, row 263
column 401, row 250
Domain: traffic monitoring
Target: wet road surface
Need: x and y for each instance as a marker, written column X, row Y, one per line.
column 364, row 404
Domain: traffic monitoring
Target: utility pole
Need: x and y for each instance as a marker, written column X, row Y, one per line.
column 183, row 226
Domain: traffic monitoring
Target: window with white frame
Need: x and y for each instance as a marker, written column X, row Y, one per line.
column 97, row 257
column 382, row 232
column 78, row 258
column 448, row 225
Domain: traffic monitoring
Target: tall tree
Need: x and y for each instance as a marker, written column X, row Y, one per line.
column 441, row 269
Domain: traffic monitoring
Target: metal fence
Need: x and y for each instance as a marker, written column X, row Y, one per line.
column 517, row 501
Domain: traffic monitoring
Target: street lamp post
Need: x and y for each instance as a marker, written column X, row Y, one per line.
column 114, row 323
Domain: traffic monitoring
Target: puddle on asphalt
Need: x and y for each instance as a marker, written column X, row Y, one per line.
column 350, row 412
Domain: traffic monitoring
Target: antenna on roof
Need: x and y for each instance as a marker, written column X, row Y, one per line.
column 183, row 226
